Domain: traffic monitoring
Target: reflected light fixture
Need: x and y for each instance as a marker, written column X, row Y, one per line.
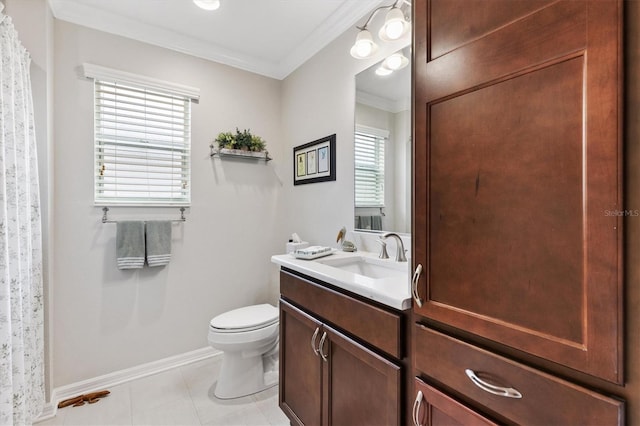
column 383, row 71
column 207, row 4
column 392, row 63
column 395, row 26
column 396, row 61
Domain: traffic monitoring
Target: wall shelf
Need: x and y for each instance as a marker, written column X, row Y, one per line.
column 240, row 154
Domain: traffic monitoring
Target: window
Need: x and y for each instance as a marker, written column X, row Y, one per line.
column 142, row 139
column 369, row 166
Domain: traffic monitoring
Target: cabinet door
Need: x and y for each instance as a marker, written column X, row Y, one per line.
column 518, row 175
column 434, row 408
column 300, row 394
column 362, row 388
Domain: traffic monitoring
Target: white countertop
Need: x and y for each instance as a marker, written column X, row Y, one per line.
column 391, row 291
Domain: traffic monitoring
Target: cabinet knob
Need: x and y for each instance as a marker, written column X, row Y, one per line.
column 414, row 285
column 492, row 389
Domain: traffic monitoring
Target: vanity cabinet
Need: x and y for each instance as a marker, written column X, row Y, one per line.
column 435, row 408
column 517, row 170
column 329, row 373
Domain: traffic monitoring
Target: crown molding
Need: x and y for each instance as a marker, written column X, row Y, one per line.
column 345, row 16
column 342, row 19
column 381, row 103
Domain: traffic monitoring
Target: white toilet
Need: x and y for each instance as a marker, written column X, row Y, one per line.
column 248, row 338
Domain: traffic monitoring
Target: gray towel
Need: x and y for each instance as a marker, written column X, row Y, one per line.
column 376, row 223
column 158, row 237
column 365, row 222
column 130, row 244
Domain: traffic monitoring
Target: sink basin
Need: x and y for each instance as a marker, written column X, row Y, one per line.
column 363, row 273
column 368, row 267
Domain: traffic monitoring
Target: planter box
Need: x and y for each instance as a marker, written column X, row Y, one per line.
column 243, row 153
column 240, row 154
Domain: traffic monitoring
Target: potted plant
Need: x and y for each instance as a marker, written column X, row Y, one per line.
column 241, row 143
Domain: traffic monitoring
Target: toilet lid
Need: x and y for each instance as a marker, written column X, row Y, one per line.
column 248, row 317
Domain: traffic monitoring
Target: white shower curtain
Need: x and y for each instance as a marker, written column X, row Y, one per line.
column 21, row 305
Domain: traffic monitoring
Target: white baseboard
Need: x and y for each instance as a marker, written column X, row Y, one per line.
column 122, row 376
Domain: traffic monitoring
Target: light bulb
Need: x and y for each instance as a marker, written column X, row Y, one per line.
column 364, row 45
column 383, row 71
column 363, row 48
column 394, row 30
column 396, row 61
column 394, row 26
column 207, row 4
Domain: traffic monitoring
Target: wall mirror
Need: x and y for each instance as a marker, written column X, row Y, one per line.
column 382, row 200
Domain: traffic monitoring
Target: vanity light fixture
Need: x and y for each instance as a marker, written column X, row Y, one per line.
column 364, row 45
column 395, row 26
column 207, row 4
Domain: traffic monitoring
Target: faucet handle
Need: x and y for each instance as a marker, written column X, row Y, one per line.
column 383, row 249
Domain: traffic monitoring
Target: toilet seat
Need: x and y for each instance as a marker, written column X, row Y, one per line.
column 245, row 319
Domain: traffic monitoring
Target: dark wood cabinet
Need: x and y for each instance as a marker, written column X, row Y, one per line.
column 362, row 388
column 300, row 366
column 517, row 189
column 507, row 390
column 326, row 376
column 435, row 408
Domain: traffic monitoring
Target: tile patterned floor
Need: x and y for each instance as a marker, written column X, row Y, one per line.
column 182, row 396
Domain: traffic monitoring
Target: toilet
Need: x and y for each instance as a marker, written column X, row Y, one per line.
column 248, row 338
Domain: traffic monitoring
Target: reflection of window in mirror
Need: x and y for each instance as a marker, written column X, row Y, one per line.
column 383, row 110
column 369, row 176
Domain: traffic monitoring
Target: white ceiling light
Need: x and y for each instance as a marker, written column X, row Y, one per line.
column 395, row 26
column 207, row 4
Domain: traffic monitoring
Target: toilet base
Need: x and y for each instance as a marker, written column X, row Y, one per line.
column 240, row 376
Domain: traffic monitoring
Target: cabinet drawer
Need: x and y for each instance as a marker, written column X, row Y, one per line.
column 545, row 399
column 434, row 408
column 374, row 325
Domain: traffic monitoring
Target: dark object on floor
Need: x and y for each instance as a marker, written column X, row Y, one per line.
column 80, row 400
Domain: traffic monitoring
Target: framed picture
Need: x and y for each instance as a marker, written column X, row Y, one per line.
column 315, row 161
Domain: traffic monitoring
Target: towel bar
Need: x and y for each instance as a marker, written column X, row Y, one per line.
column 105, row 219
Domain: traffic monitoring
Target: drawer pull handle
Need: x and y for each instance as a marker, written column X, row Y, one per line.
column 493, row 389
column 414, row 285
column 321, row 346
column 313, row 341
column 416, row 409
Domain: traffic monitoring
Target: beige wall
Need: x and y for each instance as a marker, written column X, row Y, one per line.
column 106, row 319
column 318, row 99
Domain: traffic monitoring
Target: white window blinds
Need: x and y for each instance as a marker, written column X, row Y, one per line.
column 142, row 143
column 369, row 166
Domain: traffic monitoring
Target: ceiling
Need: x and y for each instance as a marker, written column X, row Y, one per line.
column 268, row 37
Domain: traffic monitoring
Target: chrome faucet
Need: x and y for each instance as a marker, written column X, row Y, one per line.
column 383, row 249
column 400, row 256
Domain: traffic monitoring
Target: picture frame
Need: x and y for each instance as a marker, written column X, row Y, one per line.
column 315, row 161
